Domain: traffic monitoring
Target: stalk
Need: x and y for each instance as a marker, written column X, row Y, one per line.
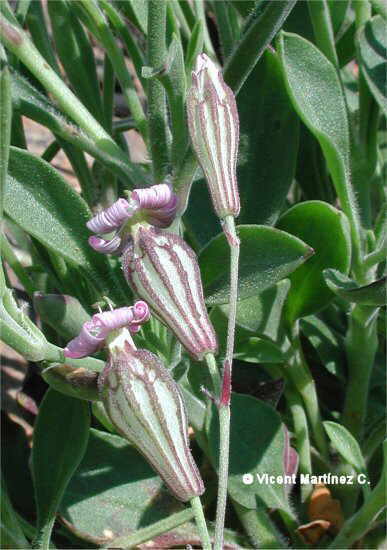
column 225, row 397
column 154, row 530
column 359, row 523
column 201, row 523
column 22, row 47
column 117, row 59
column 299, row 374
column 157, row 106
column 361, row 346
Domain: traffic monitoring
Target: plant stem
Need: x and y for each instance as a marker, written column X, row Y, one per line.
column 375, row 257
column 157, row 106
column 5, row 130
column 152, row 531
column 301, row 432
column 201, row 523
column 361, row 346
column 13, row 262
column 42, row 541
column 298, row 372
column 117, row 59
column 323, row 31
column 225, row 397
column 259, row 528
column 214, row 373
column 358, row 524
column 20, row 45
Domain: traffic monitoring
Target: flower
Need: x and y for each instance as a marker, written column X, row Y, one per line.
column 156, row 205
column 145, row 406
column 94, row 332
column 214, row 128
column 163, row 270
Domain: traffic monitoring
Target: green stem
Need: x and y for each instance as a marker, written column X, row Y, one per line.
column 323, row 30
column 224, row 446
column 201, row 16
column 19, row 44
column 375, row 257
column 301, row 432
column 13, row 262
column 259, row 528
column 51, row 151
column 5, row 130
column 359, row 524
column 299, row 374
column 42, row 541
column 214, row 373
column 157, row 106
column 121, row 27
column 152, row 531
column 109, row 82
column 224, row 402
column 201, row 523
column 361, row 345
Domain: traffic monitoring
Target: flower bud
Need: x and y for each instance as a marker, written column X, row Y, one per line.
column 163, row 270
column 145, row 406
column 214, row 128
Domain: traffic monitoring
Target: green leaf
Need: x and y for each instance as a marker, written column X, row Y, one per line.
column 258, row 350
column 63, row 313
column 257, row 444
column 372, row 44
column 263, row 24
column 60, row 439
column 76, row 55
column 268, row 128
column 315, row 91
column 195, row 46
column 59, row 214
column 262, row 313
column 267, row 255
column 114, row 491
column 338, row 12
column 373, row 294
column 136, row 11
column 326, row 230
column 11, row 534
column 344, row 442
column 328, row 344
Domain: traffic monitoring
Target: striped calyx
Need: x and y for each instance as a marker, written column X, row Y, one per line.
column 214, row 128
column 145, row 405
column 163, row 270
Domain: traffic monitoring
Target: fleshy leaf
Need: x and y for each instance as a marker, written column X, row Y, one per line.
column 267, row 255
column 373, row 294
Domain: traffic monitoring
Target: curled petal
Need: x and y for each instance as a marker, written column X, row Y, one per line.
column 106, row 247
column 161, row 202
column 141, row 312
column 87, row 342
column 107, row 321
column 111, row 218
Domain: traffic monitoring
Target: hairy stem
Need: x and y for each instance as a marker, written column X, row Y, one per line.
column 361, row 345
column 224, row 402
column 157, row 106
column 201, row 523
column 301, row 378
